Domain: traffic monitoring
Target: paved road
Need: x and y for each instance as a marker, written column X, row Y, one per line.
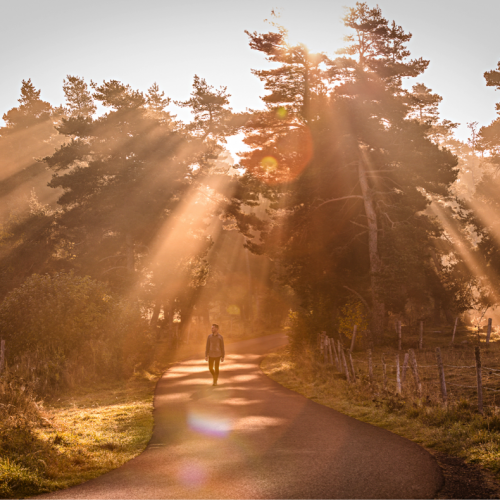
column 251, row 438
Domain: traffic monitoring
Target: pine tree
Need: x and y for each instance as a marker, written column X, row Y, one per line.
column 27, row 135
column 348, row 182
column 79, row 100
column 156, row 104
column 120, row 173
column 210, row 108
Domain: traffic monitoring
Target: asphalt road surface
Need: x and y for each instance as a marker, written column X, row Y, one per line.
column 251, row 438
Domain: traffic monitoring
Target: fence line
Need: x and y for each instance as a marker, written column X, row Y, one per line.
column 335, row 354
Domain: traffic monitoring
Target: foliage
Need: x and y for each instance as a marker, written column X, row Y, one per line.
column 64, row 330
column 347, row 172
column 54, row 315
column 353, row 313
column 28, row 134
column 19, row 415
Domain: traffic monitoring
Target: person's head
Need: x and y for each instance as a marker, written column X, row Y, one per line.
column 215, row 328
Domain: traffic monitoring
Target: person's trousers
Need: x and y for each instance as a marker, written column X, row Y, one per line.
column 213, row 365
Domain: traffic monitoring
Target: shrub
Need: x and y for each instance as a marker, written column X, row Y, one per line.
column 353, row 313
column 54, row 314
column 65, row 329
column 19, row 414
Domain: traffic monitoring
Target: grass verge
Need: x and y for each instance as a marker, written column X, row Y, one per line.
column 80, row 434
column 458, row 431
column 78, row 437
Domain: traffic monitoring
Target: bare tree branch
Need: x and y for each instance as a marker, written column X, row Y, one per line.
column 360, row 297
column 393, row 224
column 357, row 224
column 339, row 199
column 111, row 268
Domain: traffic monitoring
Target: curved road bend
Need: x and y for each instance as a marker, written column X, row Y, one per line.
column 251, row 438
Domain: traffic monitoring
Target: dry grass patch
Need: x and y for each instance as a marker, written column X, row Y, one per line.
column 77, row 438
column 83, row 433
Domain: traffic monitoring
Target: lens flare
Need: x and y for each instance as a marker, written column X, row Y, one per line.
column 281, row 113
column 209, row 425
column 285, row 154
column 233, row 310
column 269, row 164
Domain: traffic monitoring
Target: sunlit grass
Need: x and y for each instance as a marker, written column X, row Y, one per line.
column 79, row 437
column 84, row 433
column 457, row 430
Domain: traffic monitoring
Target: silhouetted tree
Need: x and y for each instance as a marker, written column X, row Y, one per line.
column 349, row 182
column 28, row 134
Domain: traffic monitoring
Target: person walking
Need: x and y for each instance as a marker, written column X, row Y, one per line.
column 214, row 352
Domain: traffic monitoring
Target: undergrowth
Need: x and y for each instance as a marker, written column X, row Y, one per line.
column 81, row 436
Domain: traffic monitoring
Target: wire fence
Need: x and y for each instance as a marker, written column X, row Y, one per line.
column 447, row 374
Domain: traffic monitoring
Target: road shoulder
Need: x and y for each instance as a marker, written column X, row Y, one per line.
column 461, row 479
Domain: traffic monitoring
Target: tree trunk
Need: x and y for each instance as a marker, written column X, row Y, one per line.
column 156, row 313
column 130, row 252
column 378, row 307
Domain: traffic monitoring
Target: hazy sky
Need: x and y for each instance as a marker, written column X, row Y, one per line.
column 140, row 42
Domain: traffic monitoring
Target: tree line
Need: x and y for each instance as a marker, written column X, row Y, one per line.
column 354, row 192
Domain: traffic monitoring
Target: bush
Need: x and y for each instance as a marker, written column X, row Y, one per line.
column 63, row 330
column 54, row 314
column 15, row 478
column 353, row 313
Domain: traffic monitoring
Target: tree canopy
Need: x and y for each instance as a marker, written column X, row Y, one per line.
column 353, row 197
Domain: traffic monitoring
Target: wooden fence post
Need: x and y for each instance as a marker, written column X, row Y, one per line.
column 330, row 342
column 477, row 352
column 399, row 335
column 414, row 368
column 321, row 346
column 403, row 371
column 370, row 366
column 341, row 349
column 385, row 372
column 405, row 366
column 454, row 330
column 2, row 356
column 337, row 361
column 398, row 378
column 354, row 331
column 352, row 367
column 490, row 320
column 421, row 339
column 444, row 394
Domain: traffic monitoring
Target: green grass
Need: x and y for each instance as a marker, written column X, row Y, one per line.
column 457, row 429
column 78, row 437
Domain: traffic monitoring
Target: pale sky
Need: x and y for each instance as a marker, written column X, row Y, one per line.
column 140, row 42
